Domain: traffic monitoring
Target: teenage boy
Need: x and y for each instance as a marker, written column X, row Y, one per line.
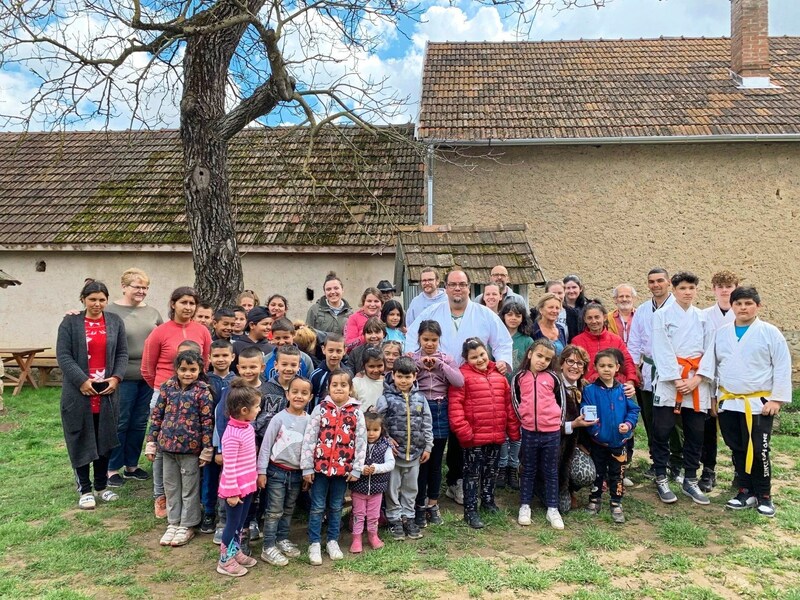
column 751, row 361
column 333, row 351
column 260, row 323
column 283, row 335
column 717, row 315
column 204, row 314
column 219, row 379
column 682, row 390
column 222, row 324
column 409, row 423
column 641, row 349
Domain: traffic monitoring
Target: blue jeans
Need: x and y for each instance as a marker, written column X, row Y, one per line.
column 331, row 489
column 134, row 404
column 509, row 454
column 283, row 488
column 209, row 486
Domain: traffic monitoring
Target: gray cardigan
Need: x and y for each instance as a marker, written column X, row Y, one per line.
column 76, row 412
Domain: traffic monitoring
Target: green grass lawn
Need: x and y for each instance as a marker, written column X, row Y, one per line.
column 50, row 549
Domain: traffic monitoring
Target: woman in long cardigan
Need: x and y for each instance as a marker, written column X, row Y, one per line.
column 93, row 355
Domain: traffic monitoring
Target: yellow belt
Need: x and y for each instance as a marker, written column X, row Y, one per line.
column 748, row 419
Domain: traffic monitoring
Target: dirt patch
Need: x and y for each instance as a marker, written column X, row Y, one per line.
column 7, row 427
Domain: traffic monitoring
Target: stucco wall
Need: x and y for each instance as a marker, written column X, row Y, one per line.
column 30, row 313
column 610, row 213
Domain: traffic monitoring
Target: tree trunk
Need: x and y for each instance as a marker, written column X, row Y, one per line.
column 217, row 264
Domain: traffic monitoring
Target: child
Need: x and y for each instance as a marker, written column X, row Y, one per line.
column 367, row 492
column 392, row 350
column 393, row 315
column 515, row 317
column 480, row 416
column 219, row 379
column 751, row 360
column 237, row 484
column 248, row 300
column 334, row 448
column 222, row 324
column 409, row 424
column 374, row 332
column 279, row 472
column 239, row 323
column 538, row 403
column 277, row 306
column 305, row 339
column 368, row 384
column 181, row 426
column 259, row 325
column 283, row 335
column 616, row 420
column 204, row 314
column 436, row 371
column 333, row 351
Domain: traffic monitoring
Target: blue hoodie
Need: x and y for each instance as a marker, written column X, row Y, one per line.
column 613, row 409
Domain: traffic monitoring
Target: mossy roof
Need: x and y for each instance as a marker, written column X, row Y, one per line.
column 125, row 188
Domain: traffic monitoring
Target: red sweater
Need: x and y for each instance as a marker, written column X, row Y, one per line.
column 161, row 347
column 594, row 343
column 481, row 412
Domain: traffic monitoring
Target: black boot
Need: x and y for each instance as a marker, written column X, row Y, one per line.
column 245, row 544
column 473, row 520
column 419, row 516
column 707, row 481
column 500, row 480
column 513, row 478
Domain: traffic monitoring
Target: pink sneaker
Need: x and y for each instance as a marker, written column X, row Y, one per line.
column 231, row 568
column 244, row 560
column 374, row 540
column 356, row 547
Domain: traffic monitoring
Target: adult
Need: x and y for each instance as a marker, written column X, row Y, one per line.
column 160, row 349
column 330, row 313
column 718, row 314
column 567, row 318
column 620, row 319
column 499, row 277
column 546, row 324
column 134, row 392
column 640, row 346
column 93, row 355
column 431, row 294
column 371, row 304
column 596, row 337
column 387, row 289
column 490, row 297
column 460, row 319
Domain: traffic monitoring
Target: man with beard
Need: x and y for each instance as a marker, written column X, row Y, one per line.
column 431, row 294
column 499, row 277
column 620, row 319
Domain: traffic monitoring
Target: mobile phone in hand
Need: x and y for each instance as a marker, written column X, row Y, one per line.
column 100, row 386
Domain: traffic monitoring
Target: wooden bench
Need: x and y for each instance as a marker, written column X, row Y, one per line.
column 45, row 365
column 18, row 358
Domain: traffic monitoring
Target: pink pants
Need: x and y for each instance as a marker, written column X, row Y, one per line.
column 366, row 509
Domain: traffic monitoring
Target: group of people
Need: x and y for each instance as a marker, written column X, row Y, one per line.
column 251, row 413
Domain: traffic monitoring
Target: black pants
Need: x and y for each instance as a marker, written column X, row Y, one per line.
column 82, row 475
column 734, row 432
column 455, row 460
column 665, row 421
column 429, row 482
column 480, row 470
column 708, row 456
column 645, row 401
column 610, row 466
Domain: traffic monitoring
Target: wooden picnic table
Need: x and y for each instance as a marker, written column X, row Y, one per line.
column 23, row 359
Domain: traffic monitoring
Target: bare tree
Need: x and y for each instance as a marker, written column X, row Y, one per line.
column 219, row 64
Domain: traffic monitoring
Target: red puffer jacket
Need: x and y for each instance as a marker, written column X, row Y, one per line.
column 481, row 412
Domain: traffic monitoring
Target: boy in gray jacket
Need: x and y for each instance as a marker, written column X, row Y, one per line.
column 409, row 423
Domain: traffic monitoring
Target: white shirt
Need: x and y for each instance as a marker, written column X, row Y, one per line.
column 639, row 341
column 716, row 319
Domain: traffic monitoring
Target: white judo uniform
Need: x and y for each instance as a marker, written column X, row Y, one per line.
column 640, row 339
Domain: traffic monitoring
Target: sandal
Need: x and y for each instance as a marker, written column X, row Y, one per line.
column 86, row 501
column 109, row 496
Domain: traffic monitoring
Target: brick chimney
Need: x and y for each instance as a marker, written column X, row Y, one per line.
column 750, row 42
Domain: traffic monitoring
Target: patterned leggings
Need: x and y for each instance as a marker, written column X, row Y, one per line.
column 480, row 470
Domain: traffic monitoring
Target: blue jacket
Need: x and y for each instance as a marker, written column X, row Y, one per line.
column 613, row 409
column 219, row 384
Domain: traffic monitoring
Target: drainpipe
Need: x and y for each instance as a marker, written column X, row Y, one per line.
column 430, row 185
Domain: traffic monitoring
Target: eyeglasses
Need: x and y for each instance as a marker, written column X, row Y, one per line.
column 140, row 288
column 457, row 284
column 575, row 363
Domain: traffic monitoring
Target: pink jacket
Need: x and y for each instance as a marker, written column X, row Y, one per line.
column 353, row 328
column 538, row 408
column 238, row 460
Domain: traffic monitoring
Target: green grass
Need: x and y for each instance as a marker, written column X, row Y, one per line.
column 476, row 574
column 682, row 532
column 525, row 576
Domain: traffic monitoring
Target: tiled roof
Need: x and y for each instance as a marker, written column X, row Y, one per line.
column 475, row 249
column 126, row 188
column 599, row 88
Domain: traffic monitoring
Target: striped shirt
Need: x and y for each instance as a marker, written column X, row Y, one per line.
column 238, row 460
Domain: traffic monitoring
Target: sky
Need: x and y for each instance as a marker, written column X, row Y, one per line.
column 398, row 58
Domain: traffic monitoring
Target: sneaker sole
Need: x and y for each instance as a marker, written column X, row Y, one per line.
column 671, row 500
column 745, row 507
column 772, row 516
column 267, row 560
column 695, row 500
column 222, row 571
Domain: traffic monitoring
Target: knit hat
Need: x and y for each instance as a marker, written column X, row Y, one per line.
column 258, row 313
column 385, row 286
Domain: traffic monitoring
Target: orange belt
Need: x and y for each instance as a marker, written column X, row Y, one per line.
column 688, row 364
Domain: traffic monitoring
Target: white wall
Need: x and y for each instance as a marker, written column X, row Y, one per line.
column 30, row 313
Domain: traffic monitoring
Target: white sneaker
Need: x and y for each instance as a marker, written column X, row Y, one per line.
column 334, row 551
column 524, row 517
column 315, row 554
column 169, row 535
column 274, row 556
column 627, row 482
column 288, row 549
column 554, row 517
